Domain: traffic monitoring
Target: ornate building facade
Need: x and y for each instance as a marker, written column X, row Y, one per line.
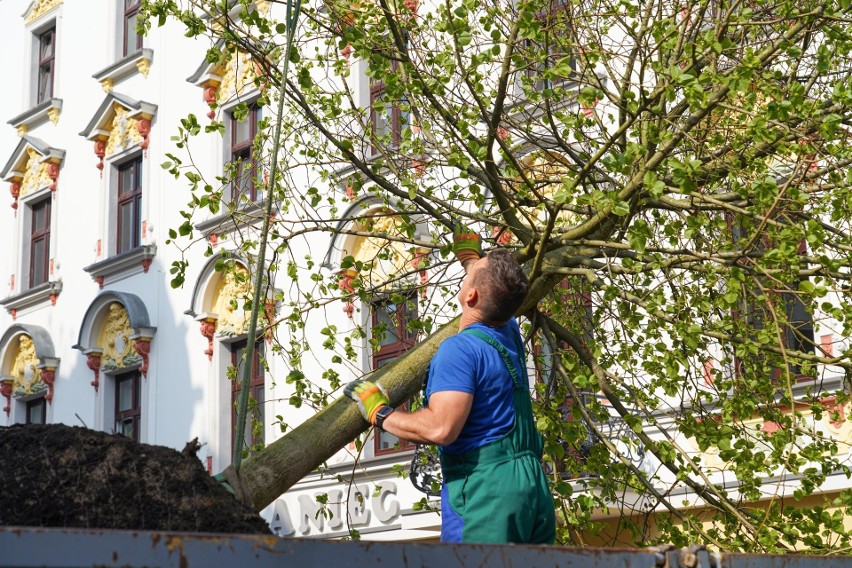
column 92, row 332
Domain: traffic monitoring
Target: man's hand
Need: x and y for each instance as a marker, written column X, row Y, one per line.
column 370, row 397
column 467, row 244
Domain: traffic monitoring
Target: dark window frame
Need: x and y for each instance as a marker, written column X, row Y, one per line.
column 257, row 391
column 45, row 65
column 39, row 238
column 242, row 152
column 547, row 17
column 134, row 413
column 40, row 403
column 131, row 11
column 132, row 199
column 398, row 120
column 798, row 333
column 405, row 340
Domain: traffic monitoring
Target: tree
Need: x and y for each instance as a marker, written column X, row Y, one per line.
column 675, row 177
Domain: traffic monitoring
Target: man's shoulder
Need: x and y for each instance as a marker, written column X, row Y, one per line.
column 464, row 342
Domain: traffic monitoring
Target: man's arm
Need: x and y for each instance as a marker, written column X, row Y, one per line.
column 440, row 423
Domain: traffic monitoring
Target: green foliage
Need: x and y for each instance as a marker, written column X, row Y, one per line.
column 675, row 176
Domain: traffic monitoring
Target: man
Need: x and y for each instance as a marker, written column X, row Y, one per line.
column 479, row 412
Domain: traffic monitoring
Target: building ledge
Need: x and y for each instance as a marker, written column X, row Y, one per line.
column 227, row 222
column 137, row 62
column 35, row 296
column 122, row 265
column 48, row 109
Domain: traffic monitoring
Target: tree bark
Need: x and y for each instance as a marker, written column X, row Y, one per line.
column 284, row 462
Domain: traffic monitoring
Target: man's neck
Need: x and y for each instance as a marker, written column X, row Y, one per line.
column 471, row 317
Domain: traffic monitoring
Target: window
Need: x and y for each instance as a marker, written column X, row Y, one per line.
column 39, row 242
column 36, row 411
column 388, row 119
column 128, row 405
column 756, row 307
column 244, row 162
column 799, row 331
column 393, row 337
column 132, row 40
column 46, row 64
column 558, row 65
column 256, row 419
column 129, row 206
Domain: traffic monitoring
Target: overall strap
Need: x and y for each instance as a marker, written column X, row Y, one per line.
column 517, row 377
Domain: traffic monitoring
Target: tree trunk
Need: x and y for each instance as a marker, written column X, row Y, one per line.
column 284, row 462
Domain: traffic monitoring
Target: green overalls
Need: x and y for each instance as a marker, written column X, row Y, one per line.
column 498, row 493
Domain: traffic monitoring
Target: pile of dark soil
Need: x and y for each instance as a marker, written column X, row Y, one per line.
column 66, row 476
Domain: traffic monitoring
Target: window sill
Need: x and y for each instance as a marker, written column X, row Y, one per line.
column 137, row 62
column 35, row 296
column 231, row 219
column 122, row 265
column 48, row 109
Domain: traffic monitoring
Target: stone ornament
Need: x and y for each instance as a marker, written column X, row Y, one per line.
column 25, row 372
column 238, row 75
column 39, row 8
column 384, row 259
column 114, row 339
column 124, row 132
column 228, row 300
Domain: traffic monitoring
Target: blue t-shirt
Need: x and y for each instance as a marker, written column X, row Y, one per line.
column 466, row 363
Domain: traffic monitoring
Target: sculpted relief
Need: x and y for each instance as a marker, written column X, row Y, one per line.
column 114, row 339
column 25, row 372
column 228, row 302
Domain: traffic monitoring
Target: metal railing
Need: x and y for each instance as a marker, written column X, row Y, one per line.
column 30, row 546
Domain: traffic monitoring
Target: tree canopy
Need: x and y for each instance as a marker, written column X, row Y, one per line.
column 675, row 177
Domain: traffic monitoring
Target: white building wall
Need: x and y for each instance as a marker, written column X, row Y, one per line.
column 184, row 395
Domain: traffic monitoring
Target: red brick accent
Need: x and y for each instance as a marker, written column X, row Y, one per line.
column 15, row 190
column 6, row 391
column 143, row 126
column 53, row 174
column 826, row 342
column 270, row 320
column 48, row 376
column 208, row 330
column 143, row 348
column 100, row 152
column 93, row 362
column 210, row 99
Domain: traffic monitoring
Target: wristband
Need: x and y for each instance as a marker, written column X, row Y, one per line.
column 381, row 414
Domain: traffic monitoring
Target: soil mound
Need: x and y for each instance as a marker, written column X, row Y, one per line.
column 66, row 476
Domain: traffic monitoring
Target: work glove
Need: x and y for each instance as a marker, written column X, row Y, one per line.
column 370, row 397
column 467, row 245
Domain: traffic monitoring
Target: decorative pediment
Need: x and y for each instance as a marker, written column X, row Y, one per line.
column 47, row 110
column 234, row 74
column 116, row 334
column 119, row 123
column 39, row 8
column 549, row 171
column 33, row 166
column 27, row 363
column 137, row 62
column 219, row 296
column 384, row 260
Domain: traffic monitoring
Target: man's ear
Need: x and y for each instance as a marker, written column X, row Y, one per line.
column 472, row 297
